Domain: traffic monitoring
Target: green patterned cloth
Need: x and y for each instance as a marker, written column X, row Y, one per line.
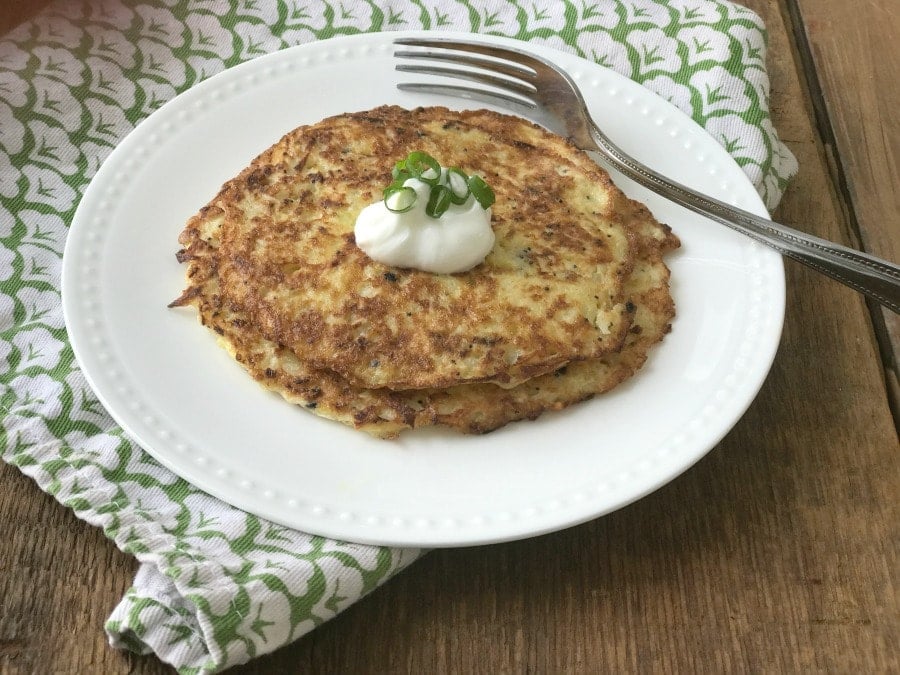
column 218, row 586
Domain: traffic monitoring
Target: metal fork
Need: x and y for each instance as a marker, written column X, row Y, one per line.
column 542, row 92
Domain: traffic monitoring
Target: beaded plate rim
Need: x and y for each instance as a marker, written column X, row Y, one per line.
column 353, row 514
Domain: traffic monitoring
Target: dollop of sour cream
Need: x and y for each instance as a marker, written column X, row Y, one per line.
column 457, row 241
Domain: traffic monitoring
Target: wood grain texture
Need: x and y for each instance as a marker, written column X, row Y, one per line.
column 14, row 12
column 854, row 82
column 778, row 552
column 59, row 580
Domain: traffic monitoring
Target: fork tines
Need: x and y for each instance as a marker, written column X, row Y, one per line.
column 510, row 81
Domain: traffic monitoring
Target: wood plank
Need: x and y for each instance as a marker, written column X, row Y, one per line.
column 856, row 62
column 59, row 580
column 14, row 12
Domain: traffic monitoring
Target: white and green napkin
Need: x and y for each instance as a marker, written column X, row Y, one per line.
column 218, row 586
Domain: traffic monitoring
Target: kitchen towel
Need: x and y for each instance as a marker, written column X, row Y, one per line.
column 217, row 586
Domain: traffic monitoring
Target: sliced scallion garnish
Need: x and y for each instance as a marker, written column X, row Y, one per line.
column 438, row 201
column 399, row 171
column 481, row 191
column 458, row 182
column 448, row 187
column 423, row 166
column 398, row 199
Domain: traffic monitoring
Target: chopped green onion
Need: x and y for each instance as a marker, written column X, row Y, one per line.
column 399, row 199
column 438, row 201
column 399, row 171
column 458, row 182
column 481, row 191
column 423, row 166
column 450, row 187
column 397, row 183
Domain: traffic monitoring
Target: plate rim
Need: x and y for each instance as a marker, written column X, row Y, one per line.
column 476, row 535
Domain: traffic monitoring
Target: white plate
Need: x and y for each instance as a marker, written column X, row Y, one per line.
column 162, row 377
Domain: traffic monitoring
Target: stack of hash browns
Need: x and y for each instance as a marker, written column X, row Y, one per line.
column 566, row 306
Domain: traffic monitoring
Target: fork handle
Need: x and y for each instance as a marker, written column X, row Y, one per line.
column 876, row 278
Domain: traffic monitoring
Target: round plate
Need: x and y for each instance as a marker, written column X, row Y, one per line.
column 181, row 397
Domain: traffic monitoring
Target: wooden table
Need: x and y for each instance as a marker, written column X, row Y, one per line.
column 778, row 552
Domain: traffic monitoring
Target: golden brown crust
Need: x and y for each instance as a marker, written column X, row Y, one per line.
column 286, row 364
column 549, row 293
column 470, row 408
